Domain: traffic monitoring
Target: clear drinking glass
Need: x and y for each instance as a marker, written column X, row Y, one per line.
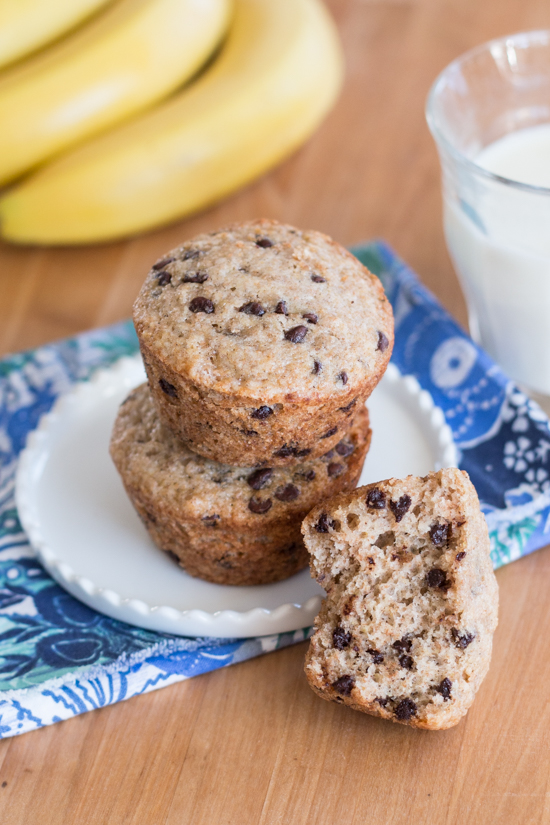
column 498, row 230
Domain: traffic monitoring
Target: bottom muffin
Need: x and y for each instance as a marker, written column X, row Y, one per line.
column 228, row 525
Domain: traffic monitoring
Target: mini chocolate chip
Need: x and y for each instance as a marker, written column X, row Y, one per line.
column 324, row 523
column 329, row 432
column 370, row 559
column 344, row 448
column 189, row 254
column 349, row 406
column 317, row 367
column 330, row 454
column 301, row 453
column 284, row 452
column 402, row 645
column 460, row 556
column 281, row 308
column 163, row 278
column 400, row 507
column 376, row 499
column 436, row 578
column 211, row 521
column 317, row 279
column 287, row 493
column 261, row 413
column 344, row 685
column 383, row 342
column 296, row 334
column 168, row 388
column 406, row 661
column 334, row 469
column 162, row 263
column 440, row 534
column 259, row 478
column 343, row 377
column 377, row 657
column 405, row 709
column 309, row 476
column 253, row 308
column 463, row 641
column 340, row 638
column 310, row 317
column 259, row 505
column 198, row 277
column 383, row 701
column 445, row 688
column 201, row 304
column 264, row 243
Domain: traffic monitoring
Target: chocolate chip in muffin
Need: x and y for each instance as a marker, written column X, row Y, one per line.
column 340, row 638
column 259, row 505
column 403, row 644
column 211, row 521
column 400, row 507
column 440, row 533
column 168, row 388
column 344, row 448
column 406, row 661
column 343, row 377
column 317, row 279
column 253, row 308
column 377, row 657
column 349, row 406
column 376, row 499
column 460, row 556
column 445, row 688
column 334, row 469
column 296, row 334
column 437, row 578
column 190, row 254
column 264, row 243
column 261, row 413
column 344, row 685
column 287, row 493
column 317, row 367
column 324, row 523
column 329, row 432
column 310, row 317
column 198, row 277
column 162, row 263
column 461, row 640
column 383, row 342
column 284, row 452
column 330, row 454
column 259, row 478
column 308, row 475
column 405, row 709
column 164, row 278
column 302, row 453
column 281, row 308
column 382, row 700
column 201, row 304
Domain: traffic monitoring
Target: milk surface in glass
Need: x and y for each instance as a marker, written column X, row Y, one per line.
column 502, row 256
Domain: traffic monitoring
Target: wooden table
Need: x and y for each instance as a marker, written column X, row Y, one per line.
column 251, row 744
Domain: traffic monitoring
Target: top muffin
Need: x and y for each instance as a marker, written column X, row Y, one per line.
column 257, row 332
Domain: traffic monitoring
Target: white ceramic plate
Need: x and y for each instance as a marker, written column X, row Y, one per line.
column 85, row 532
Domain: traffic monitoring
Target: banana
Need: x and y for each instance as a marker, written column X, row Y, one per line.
column 275, row 79
column 134, row 53
column 26, row 25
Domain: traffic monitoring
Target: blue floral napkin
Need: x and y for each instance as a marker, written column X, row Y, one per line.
column 59, row 658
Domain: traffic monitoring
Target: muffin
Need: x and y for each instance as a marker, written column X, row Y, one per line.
column 229, row 525
column 406, row 630
column 261, row 341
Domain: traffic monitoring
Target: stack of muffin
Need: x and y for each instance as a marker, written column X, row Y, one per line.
column 261, row 344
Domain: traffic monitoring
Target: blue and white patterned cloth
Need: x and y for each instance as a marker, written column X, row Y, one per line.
column 59, row 658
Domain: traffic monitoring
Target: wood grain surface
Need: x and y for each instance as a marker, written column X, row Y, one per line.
column 251, row 744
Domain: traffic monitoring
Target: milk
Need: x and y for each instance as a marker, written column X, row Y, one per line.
column 499, row 239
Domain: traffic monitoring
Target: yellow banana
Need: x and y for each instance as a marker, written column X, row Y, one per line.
column 134, row 53
column 275, row 79
column 26, row 25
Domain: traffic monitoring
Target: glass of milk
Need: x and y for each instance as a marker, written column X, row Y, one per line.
column 489, row 112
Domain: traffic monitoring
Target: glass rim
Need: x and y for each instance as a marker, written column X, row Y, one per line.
column 527, row 37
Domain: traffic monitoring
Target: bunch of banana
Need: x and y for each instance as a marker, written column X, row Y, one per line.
column 276, row 77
